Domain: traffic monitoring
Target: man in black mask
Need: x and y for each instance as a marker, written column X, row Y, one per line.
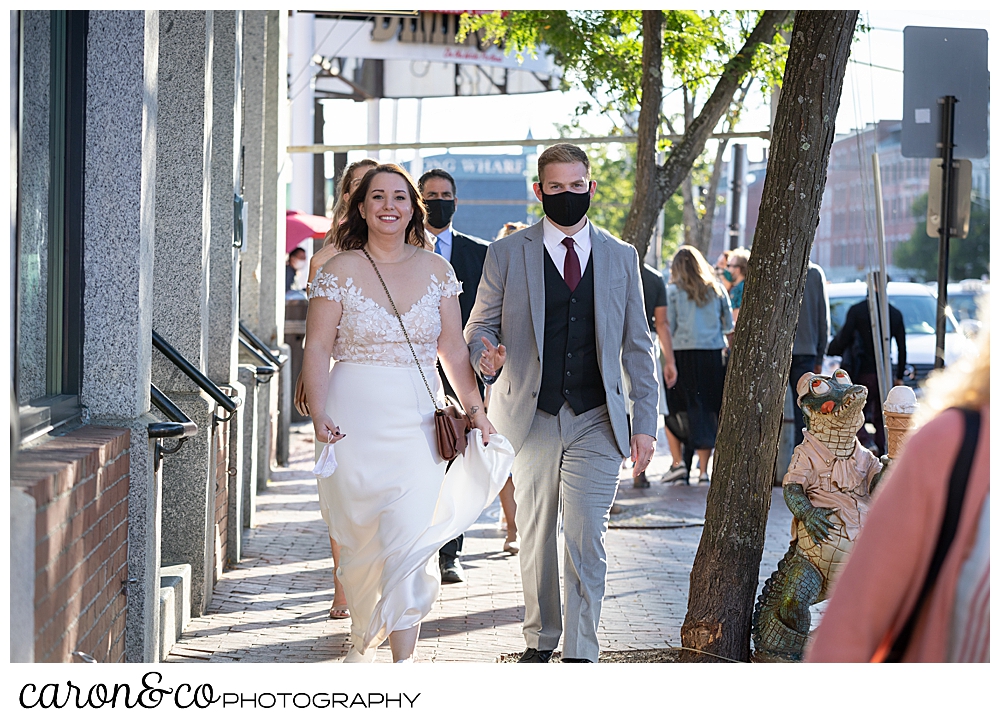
column 466, row 254
column 559, row 329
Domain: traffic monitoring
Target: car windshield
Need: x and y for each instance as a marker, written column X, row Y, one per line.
column 919, row 313
column 963, row 305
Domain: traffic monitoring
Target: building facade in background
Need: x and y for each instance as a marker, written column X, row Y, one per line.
column 491, row 189
column 845, row 239
column 148, row 396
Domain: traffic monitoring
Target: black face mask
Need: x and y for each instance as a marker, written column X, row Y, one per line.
column 440, row 211
column 566, row 208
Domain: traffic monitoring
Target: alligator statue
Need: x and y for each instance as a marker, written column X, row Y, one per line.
column 828, row 488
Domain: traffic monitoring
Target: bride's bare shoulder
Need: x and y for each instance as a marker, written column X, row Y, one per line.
column 432, row 262
column 345, row 262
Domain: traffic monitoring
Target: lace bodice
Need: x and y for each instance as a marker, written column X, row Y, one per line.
column 370, row 334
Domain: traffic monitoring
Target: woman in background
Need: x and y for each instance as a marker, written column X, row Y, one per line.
column 350, row 179
column 699, row 316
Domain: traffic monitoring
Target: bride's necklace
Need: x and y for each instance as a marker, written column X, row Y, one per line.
column 407, row 257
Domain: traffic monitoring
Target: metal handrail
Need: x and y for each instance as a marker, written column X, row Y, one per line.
column 277, row 360
column 180, row 425
column 230, row 404
column 265, row 368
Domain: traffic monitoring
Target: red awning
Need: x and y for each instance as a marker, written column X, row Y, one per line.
column 300, row 226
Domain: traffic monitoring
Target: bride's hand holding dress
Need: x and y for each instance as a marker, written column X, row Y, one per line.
column 454, row 356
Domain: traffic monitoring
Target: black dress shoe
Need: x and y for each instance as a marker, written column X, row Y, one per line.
column 535, row 656
column 451, row 571
column 576, row 660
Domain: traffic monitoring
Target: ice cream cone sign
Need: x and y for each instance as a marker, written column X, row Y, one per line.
column 898, row 410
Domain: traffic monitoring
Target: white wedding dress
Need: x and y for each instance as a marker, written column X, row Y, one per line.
column 389, row 503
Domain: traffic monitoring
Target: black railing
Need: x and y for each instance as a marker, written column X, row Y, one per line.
column 276, row 360
column 265, row 369
column 228, row 403
column 180, row 425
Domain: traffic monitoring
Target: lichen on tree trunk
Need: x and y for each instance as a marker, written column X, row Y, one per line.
column 725, row 573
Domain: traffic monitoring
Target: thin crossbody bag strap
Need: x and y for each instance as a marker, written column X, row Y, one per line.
column 957, row 485
column 401, row 326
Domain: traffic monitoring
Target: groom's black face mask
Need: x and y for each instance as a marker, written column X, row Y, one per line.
column 566, row 208
column 440, row 211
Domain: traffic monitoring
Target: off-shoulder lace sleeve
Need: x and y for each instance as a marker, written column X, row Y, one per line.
column 451, row 286
column 325, row 286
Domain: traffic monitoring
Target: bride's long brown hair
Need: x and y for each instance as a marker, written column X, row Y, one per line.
column 353, row 233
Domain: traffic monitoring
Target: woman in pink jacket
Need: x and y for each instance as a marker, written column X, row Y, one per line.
column 879, row 587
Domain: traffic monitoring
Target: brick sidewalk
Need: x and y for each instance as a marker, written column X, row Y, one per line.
column 272, row 608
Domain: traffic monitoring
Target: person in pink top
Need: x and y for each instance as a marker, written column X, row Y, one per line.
column 880, row 585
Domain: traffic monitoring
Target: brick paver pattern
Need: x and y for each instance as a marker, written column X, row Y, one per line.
column 273, row 606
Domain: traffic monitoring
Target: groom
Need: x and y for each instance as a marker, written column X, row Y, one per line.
column 559, row 316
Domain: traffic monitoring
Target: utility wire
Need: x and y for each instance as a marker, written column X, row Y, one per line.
column 336, row 53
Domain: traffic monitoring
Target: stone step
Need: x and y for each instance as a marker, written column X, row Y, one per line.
column 175, row 604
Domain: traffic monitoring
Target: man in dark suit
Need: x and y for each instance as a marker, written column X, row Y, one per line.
column 858, row 325
column 466, row 254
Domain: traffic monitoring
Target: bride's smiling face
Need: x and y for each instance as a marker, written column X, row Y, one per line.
column 387, row 207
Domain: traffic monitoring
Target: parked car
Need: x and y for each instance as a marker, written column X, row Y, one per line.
column 918, row 305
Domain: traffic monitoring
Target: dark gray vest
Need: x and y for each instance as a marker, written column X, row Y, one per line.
column 570, row 370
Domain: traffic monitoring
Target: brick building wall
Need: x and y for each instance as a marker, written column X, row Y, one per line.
column 80, row 484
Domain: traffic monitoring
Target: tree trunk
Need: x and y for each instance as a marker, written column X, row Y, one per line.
column 690, row 216
column 703, row 239
column 649, row 125
column 688, row 203
column 654, row 185
column 725, row 573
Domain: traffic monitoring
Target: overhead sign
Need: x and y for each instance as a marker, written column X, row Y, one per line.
column 938, row 62
column 428, row 37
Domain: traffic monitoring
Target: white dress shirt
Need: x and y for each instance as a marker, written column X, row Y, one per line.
column 553, row 240
column 444, row 240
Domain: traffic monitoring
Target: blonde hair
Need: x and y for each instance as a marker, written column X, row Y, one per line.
column 690, row 271
column 562, row 153
column 508, row 228
column 964, row 383
column 344, row 187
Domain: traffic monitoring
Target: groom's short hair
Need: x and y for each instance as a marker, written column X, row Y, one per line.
column 562, row 153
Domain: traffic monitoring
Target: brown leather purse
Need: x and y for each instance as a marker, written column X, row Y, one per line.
column 451, row 424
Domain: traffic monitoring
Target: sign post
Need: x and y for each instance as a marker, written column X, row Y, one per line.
column 945, row 66
column 947, row 104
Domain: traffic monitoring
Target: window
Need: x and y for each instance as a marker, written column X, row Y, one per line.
column 50, row 77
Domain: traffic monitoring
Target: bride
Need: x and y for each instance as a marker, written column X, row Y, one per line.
column 389, row 503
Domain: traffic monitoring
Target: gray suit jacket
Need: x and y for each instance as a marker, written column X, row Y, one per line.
column 510, row 309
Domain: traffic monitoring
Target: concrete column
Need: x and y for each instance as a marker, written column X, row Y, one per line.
column 180, row 304
column 285, row 382
column 276, row 174
column 271, row 324
column 254, row 37
column 266, row 391
column 120, row 175
column 234, row 517
column 22, row 576
column 301, row 71
column 248, row 451
column 223, row 291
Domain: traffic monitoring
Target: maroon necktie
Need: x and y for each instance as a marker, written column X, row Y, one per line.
column 571, row 266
